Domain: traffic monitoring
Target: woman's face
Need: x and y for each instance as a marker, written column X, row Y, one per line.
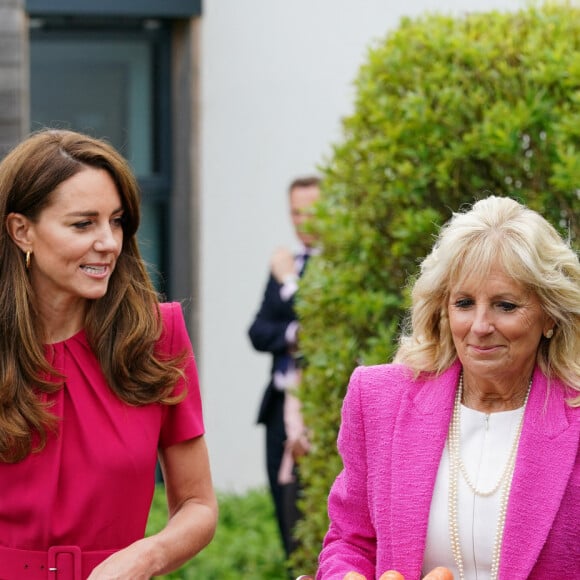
column 496, row 325
column 77, row 239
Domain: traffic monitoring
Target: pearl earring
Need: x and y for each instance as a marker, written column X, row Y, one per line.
column 549, row 333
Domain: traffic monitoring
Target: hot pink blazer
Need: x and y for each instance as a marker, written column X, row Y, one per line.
column 392, row 435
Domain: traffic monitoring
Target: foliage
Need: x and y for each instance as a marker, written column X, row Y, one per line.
column 448, row 110
column 246, row 545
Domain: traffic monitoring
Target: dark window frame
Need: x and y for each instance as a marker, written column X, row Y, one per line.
column 134, row 8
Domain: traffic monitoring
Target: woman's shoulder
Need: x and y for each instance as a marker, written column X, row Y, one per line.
column 553, row 397
column 382, row 380
column 376, row 374
column 170, row 309
column 401, row 374
column 396, row 380
column 174, row 332
column 171, row 314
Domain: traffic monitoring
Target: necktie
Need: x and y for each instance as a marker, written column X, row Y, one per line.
column 303, row 260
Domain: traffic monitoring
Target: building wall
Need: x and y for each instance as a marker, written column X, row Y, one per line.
column 276, row 80
column 13, row 74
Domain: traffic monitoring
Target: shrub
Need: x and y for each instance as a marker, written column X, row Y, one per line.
column 447, row 110
column 246, row 545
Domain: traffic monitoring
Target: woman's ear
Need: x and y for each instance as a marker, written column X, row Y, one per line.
column 19, row 230
column 549, row 327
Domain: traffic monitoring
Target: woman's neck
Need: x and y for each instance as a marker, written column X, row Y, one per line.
column 492, row 397
column 61, row 323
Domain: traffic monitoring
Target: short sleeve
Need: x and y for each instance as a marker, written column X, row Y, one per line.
column 185, row 420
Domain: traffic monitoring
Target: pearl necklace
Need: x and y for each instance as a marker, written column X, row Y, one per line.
column 456, row 466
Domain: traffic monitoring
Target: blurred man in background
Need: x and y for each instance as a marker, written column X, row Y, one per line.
column 275, row 330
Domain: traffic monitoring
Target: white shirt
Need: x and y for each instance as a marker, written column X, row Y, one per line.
column 486, row 440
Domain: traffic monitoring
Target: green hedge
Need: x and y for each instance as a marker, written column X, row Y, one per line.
column 447, row 110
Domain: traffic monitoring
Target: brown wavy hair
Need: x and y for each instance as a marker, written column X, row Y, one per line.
column 122, row 327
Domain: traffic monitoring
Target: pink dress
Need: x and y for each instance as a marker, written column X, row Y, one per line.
column 93, row 483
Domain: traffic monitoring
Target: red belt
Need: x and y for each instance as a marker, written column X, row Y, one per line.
column 57, row 563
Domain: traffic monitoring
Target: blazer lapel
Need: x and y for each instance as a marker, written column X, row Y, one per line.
column 546, row 455
column 418, row 441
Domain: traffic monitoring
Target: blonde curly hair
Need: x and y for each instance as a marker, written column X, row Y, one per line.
column 530, row 250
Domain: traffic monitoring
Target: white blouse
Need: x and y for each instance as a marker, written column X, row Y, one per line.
column 486, row 440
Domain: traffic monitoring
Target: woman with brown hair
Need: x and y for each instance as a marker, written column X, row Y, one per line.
column 97, row 378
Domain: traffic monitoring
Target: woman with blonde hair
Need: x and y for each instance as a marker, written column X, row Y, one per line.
column 463, row 453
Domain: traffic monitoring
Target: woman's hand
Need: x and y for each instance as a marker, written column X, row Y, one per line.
column 392, row 575
column 131, row 563
column 439, row 573
column 389, row 575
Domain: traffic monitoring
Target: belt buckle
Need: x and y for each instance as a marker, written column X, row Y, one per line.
column 62, row 570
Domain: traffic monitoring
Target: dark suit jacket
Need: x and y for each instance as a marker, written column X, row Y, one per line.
column 267, row 334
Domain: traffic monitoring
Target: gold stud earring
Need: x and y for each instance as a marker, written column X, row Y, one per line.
column 549, row 333
column 27, row 260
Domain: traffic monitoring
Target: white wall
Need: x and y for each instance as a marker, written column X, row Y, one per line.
column 276, row 81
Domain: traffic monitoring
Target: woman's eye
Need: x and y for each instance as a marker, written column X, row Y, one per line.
column 464, row 303
column 82, row 225
column 118, row 221
column 507, row 306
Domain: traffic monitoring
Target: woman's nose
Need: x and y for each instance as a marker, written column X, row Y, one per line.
column 483, row 321
column 106, row 241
